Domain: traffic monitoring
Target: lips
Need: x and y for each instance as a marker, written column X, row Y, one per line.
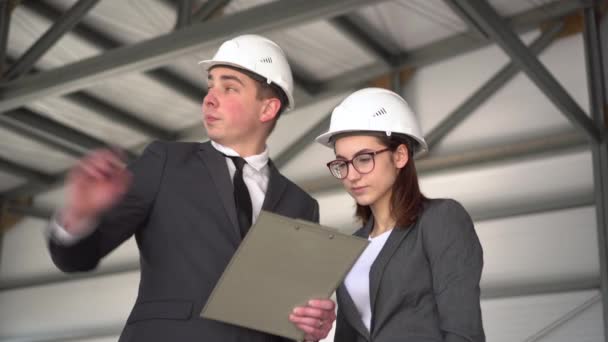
column 209, row 119
column 357, row 190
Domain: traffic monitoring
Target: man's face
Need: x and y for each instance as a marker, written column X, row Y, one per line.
column 231, row 108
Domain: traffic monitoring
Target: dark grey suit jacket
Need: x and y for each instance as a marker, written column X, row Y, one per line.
column 424, row 284
column 181, row 209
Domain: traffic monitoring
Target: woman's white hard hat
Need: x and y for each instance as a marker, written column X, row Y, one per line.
column 374, row 110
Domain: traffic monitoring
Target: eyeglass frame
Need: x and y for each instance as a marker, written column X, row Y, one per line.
column 351, row 162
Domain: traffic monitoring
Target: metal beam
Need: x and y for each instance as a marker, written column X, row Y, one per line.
column 2, row 213
column 104, row 42
column 487, row 293
column 33, row 176
column 59, row 278
column 487, row 90
column 38, row 137
column 397, row 83
column 451, row 47
column 49, row 38
column 569, row 201
column 301, row 143
column 534, row 148
column 209, row 9
column 474, row 29
column 300, row 81
column 540, row 288
column 34, row 212
column 599, row 150
column 74, row 141
column 431, row 53
column 112, row 331
column 538, row 336
column 40, row 127
column 33, row 188
column 358, row 31
column 164, row 49
column 5, row 24
column 115, row 114
column 184, row 13
column 503, row 35
column 434, row 52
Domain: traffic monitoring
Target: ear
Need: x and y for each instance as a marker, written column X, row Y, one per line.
column 401, row 156
column 270, row 109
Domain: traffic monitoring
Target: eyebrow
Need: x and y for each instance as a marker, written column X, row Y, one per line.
column 226, row 78
column 364, row 150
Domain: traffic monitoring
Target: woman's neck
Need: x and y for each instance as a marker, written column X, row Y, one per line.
column 383, row 219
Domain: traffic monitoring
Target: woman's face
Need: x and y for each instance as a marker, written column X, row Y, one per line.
column 375, row 187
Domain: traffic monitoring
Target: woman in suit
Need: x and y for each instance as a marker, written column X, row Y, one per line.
column 418, row 279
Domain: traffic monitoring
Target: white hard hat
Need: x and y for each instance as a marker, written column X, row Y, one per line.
column 259, row 55
column 374, row 110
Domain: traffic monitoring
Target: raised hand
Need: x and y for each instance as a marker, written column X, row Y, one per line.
column 96, row 183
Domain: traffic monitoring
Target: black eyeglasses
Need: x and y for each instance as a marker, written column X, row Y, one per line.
column 362, row 162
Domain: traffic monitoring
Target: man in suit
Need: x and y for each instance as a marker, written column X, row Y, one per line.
column 190, row 204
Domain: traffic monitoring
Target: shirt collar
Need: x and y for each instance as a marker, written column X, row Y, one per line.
column 257, row 161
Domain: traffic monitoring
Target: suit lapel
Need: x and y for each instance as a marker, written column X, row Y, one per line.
column 276, row 186
column 346, row 304
column 348, row 308
column 377, row 270
column 216, row 164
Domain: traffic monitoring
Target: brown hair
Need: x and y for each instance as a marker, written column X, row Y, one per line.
column 406, row 198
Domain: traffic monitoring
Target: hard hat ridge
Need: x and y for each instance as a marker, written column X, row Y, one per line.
column 374, row 110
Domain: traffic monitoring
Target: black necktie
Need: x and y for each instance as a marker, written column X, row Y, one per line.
column 242, row 200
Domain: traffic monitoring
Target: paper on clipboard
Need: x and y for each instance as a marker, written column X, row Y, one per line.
column 282, row 263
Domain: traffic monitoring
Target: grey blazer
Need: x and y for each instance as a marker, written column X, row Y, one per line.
column 181, row 210
column 424, row 284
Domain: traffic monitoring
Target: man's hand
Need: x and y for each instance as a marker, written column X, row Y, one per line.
column 96, row 183
column 315, row 319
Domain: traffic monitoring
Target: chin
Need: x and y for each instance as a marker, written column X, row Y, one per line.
column 213, row 135
column 362, row 200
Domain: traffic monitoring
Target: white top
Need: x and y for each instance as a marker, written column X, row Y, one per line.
column 357, row 280
column 256, row 175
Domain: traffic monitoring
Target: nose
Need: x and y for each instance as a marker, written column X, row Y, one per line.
column 209, row 101
column 353, row 174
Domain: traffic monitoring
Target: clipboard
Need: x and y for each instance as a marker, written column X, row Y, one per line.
column 282, row 263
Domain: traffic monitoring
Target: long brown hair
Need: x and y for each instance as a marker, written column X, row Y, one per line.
column 406, row 198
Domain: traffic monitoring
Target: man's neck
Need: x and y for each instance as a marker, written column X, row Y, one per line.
column 245, row 149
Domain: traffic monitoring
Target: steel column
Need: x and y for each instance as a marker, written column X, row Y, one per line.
column 5, row 24
column 599, row 150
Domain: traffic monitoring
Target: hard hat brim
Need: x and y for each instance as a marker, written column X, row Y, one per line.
column 209, row 63
column 325, row 138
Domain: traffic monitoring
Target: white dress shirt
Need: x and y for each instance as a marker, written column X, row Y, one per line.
column 357, row 280
column 256, row 175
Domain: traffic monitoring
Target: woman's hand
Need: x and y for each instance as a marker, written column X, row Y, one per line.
column 315, row 319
